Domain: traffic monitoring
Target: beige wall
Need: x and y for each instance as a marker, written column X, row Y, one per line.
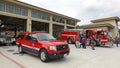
column 113, row 31
column 101, row 28
column 106, row 28
column 109, row 21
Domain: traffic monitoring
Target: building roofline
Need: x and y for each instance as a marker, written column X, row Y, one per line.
column 41, row 9
column 106, row 19
column 96, row 25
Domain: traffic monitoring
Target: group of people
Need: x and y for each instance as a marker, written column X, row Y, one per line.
column 82, row 42
column 91, row 41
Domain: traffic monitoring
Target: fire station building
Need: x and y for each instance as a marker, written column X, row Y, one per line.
column 110, row 24
column 20, row 16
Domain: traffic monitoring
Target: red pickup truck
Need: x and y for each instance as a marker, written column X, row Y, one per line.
column 43, row 45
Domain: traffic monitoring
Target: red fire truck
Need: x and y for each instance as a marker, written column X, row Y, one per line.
column 101, row 36
column 73, row 35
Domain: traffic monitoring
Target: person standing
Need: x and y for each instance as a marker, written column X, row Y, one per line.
column 116, row 41
column 77, row 43
column 83, row 42
column 92, row 42
column 111, row 40
column 80, row 40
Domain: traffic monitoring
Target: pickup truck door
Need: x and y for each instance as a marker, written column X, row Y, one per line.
column 32, row 42
column 27, row 43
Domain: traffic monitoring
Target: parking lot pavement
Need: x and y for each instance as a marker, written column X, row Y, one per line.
column 101, row 57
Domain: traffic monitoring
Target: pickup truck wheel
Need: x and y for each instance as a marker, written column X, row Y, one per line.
column 43, row 55
column 20, row 49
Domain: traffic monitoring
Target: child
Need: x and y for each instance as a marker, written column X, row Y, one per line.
column 83, row 42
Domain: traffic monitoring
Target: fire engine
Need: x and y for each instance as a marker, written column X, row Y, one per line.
column 101, row 36
column 71, row 35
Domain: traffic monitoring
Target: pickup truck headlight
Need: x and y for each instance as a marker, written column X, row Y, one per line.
column 53, row 48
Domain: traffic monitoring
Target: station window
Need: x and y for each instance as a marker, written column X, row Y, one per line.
column 9, row 8
column 48, row 17
column 24, row 12
column 55, row 19
column 40, row 15
column 58, row 19
column 2, row 6
column 62, row 20
column 70, row 22
column 45, row 16
column 35, row 14
column 17, row 10
column 13, row 9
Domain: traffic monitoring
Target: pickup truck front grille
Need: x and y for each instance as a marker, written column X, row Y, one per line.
column 62, row 47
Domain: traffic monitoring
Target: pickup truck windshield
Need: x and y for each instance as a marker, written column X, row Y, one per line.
column 43, row 37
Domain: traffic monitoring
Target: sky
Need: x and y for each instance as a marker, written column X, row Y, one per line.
column 84, row 10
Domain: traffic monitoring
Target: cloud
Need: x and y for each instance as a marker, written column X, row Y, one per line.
column 85, row 10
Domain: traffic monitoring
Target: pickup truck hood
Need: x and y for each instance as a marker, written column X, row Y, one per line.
column 53, row 42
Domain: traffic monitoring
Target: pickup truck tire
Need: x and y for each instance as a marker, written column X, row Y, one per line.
column 44, row 56
column 20, row 48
